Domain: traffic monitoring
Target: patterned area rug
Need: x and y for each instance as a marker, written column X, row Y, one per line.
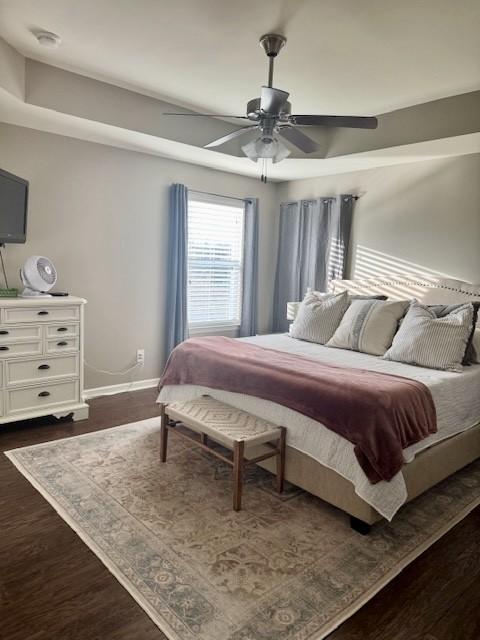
column 283, row 567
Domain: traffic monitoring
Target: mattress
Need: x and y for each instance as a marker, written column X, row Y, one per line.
column 456, row 397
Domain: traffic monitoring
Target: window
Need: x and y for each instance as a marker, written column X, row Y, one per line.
column 215, row 261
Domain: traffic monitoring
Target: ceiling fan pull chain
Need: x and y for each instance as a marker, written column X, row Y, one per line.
column 264, row 170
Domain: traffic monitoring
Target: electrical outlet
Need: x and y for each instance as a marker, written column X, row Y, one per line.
column 140, row 356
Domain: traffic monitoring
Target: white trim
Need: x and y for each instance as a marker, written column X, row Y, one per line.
column 230, row 331
column 201, row 326
column 216, row 198
column 112, row 389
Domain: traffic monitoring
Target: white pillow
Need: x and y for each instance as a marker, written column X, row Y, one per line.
column 318, row 316
column 428, row 341
column 369, row 326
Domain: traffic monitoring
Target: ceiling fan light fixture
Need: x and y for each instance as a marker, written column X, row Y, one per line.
column 250, row 151
column 266, row 148
column 282, row 153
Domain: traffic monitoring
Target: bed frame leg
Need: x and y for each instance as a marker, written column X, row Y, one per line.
column 360, row 526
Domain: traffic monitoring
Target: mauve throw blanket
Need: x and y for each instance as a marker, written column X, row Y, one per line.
column 381, row 414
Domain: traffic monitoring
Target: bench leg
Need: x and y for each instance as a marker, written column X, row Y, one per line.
column 238, row 449
column 281, row 459
column 163, row 434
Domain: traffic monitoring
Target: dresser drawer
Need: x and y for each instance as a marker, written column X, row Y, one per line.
column 9, row 334
column 62, row 330
column 59, row 345
column 30, row 371
column 14, row 349
column 42, row 396
column 48, row 313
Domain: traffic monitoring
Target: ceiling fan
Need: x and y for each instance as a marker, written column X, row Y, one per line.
column 272, row 118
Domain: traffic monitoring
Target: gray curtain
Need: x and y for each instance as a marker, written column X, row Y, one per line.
column 177, row 318
column 312, row 249
column 287, row 277
column 248, row 324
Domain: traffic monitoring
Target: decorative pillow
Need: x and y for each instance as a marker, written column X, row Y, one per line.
column 442, row 310
column 318, row 316
column 293, row 307
column 428, row 341
column 369, row 326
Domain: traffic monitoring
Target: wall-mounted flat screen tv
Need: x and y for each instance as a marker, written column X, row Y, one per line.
column 13, row 208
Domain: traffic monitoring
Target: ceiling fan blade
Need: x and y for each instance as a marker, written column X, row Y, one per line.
column 299, row 139
column 229, row 136
column 205, row 115
column 356, row 122
column 272, row 100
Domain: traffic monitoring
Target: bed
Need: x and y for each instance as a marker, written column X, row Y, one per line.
column 323, row 463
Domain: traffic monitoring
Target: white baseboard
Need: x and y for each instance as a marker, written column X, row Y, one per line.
column 112, row 389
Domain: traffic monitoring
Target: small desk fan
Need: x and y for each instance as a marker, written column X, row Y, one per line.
column 39, row 275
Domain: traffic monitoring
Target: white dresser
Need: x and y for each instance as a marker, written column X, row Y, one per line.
column 41, row 358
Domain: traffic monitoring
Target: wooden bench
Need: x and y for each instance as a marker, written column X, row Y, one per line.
column 233, row 428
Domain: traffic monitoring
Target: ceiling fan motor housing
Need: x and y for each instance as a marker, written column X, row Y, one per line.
column 253, row 110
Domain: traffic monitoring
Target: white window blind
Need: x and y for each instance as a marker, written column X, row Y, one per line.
column 215, row 261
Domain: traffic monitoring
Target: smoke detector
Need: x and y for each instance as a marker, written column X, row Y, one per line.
column 48, row 39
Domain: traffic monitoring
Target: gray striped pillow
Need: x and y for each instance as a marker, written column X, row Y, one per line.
column 369, row 326
column 428, row 341
column 319, row 316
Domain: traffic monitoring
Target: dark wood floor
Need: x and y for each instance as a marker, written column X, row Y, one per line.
column 53, row 588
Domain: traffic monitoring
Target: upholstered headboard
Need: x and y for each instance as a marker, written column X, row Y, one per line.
column 427, row 291
column 431, row 291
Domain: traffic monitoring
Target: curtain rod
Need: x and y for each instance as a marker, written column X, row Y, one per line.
column 324, row 198
column 217, row 195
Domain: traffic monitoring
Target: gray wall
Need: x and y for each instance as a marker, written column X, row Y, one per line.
column 100, row 214
column 415, row 218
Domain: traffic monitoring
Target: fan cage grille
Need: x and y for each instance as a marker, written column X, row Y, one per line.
column 46, row 271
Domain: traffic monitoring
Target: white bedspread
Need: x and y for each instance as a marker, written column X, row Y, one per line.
column 456, row 397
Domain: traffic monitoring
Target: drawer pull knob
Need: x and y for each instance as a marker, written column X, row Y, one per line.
column 4, row 348
column 62, row 329
column 42, row 313
column 4, row 332
column 63, row 343
column 44, row 366
column 43, row 394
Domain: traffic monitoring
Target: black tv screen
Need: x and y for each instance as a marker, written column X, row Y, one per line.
column 13, row 208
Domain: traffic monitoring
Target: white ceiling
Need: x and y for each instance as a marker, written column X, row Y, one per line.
column 342, row 56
